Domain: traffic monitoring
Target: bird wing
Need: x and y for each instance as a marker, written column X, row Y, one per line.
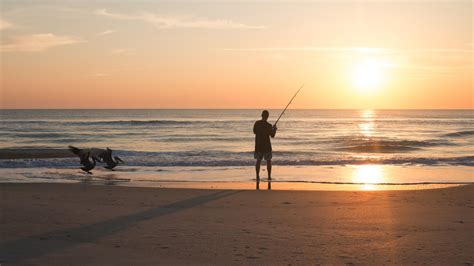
column 76, row 151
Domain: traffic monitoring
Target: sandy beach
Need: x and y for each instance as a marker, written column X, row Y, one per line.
column 86, row 224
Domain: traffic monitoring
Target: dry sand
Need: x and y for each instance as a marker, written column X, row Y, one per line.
column 84, row 224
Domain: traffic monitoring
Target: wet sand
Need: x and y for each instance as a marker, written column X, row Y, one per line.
column 87, row 224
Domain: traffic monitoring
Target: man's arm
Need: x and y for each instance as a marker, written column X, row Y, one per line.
column 255, row 128
column 274, row 131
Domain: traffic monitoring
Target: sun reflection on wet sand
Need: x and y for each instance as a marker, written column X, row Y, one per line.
column 368, row 175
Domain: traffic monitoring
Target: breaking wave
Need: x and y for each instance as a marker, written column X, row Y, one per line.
column 224, row 158
column 460, row 134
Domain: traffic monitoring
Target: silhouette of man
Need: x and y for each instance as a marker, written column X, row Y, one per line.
column 263, row 147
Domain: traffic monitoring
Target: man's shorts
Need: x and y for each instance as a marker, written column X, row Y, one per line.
column 262, row 155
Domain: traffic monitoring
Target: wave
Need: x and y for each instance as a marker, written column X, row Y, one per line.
column 341, row 143
column 460, row 134
column 128, row 122
column 139, row 122
column 388, row 146
column 461, row 161
column 209, row 159
column 39, row 135
column 318, row 122
column 309, row 182
column 378, row 148
column 203, row 138
column 377, row 184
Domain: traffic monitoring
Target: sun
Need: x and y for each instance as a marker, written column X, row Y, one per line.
column 368, row 74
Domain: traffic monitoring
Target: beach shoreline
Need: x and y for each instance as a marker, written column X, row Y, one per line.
column 349, row 177
column 81, row 224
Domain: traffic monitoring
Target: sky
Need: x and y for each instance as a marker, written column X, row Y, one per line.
column 222, row 54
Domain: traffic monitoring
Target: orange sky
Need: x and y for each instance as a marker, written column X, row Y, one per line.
column 413, row 54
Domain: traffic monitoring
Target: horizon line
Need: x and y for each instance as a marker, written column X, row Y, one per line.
column 198, row 108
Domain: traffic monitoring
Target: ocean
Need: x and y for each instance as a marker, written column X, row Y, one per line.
column 319, row 146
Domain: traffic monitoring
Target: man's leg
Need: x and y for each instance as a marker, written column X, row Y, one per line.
column 257, row 170
column 269, row 170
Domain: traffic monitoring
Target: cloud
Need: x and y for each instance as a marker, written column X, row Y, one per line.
column 170, row 22
column 306, row 48
column 37, row 42
column 4, row 24
column 342, row 49
column 106, row 32
column 419, row 59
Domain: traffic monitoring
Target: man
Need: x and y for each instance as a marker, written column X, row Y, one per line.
column 263, row 147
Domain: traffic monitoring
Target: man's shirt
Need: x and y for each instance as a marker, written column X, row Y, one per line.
column 263, row 131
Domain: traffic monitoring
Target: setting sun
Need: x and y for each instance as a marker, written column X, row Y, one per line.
column 368, row 74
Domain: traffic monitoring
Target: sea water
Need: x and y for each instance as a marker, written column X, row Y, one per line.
column 334, row 146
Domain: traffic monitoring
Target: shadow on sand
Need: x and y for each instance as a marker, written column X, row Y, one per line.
column 33, row 246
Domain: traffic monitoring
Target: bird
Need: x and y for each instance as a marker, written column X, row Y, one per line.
column 94, row 152
column 109, row 160
column 84, row 156
column 76, row 151
column 87, row 164
column 98, row 155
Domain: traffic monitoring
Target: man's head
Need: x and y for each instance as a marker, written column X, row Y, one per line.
column 265, row 115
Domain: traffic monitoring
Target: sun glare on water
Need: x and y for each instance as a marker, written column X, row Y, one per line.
column 368, row 74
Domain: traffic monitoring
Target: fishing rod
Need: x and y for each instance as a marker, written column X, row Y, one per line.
column 288, row 105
